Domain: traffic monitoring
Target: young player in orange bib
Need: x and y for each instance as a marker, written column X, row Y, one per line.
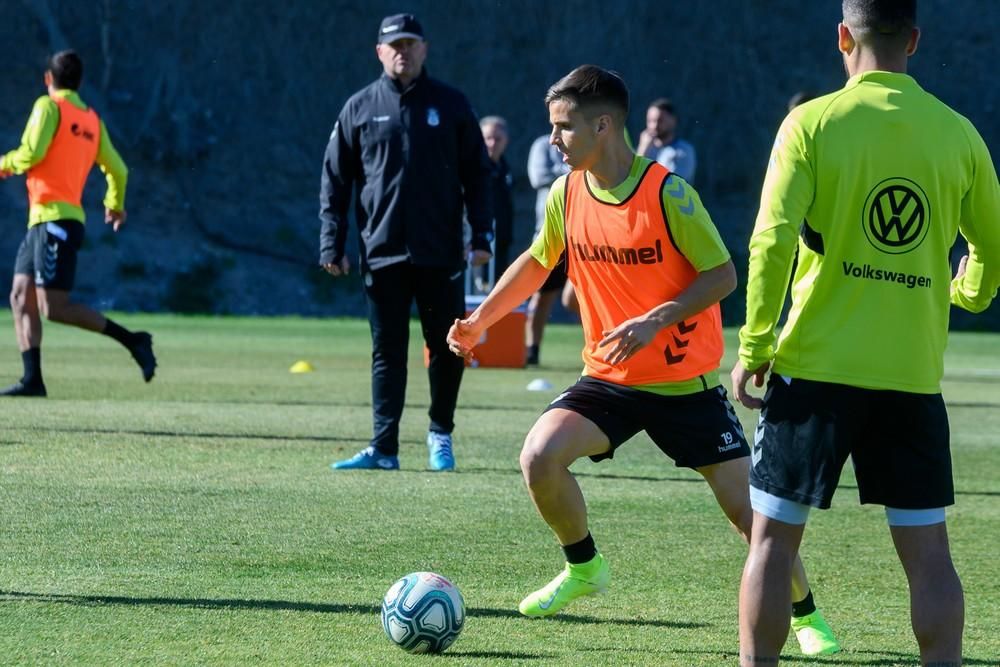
column 63, row 140
column 649, row 269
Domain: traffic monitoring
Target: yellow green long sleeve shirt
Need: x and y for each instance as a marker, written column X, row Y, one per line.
column 38, row 133
column 871, row 186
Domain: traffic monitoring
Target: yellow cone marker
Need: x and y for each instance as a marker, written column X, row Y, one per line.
column 301, row 367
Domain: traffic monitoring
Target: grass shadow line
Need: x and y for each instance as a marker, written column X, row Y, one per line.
column 308, row 607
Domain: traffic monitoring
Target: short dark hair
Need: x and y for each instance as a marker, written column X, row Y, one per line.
column 67, row 70
column 664, row 104
column 591, row 88
column 881, row 21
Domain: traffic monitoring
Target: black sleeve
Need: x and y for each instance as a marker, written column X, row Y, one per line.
column 339, row 174
column 474, row 170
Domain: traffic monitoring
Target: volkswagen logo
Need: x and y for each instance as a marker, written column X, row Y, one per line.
column 896, row 216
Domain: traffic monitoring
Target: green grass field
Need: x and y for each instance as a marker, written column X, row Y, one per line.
column 195, row 520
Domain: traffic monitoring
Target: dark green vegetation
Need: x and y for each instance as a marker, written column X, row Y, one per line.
column 223, row 115
column 195, row 520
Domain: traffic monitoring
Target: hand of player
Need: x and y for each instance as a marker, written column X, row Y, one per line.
column 479, row 257
column 114, row 218
column 341, row 268
column 740, row 376
column 645, row 140
column 962, row 263
column 462, row 337
column 629, row 337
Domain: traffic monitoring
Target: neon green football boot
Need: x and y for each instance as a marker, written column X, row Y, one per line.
column 814, row 635
column 575, row 581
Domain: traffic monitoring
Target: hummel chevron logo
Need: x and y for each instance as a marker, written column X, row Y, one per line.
column 684, row 328
column 673, row 358
column 675, row 188
column 51, row 258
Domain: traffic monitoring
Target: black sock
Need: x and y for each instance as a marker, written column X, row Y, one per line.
column 532, row 354
column 804, row 607
column 118, row 332
column 32, row 360
column 580, row 552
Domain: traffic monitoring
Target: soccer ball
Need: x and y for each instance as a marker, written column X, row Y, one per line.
column 423, row 613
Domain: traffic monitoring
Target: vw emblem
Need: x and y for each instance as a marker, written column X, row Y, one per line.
column 896, row 216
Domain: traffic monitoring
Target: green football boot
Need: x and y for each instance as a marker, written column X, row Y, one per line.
column 814, row 635
column 575, row 581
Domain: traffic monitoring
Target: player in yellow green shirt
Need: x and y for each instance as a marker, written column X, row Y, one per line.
column 61, row 142
column 870, row 186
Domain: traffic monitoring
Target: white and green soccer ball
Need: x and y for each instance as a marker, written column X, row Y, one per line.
column 423, row 613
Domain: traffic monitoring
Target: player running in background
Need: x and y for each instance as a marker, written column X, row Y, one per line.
column 649, row 268
column 62, row 141
column 885, row 176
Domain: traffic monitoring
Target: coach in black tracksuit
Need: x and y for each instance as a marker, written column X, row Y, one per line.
column 411, row 149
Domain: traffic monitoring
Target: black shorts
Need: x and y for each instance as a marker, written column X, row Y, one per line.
column 557, row 277
column 48, row 253
column 898, row 443
column 694, row 430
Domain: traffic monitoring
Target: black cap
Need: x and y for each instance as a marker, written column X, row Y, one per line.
column 400, row 26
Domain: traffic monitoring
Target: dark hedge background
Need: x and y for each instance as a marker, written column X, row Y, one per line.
column 222, row 111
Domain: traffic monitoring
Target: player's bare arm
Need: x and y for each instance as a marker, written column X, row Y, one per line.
column 522, row 279
column 632, row 335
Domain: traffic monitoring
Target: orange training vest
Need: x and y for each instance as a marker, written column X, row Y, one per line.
column 623, row 262
column 62, row 173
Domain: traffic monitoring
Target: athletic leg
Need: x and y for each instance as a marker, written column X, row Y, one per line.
column 765, row 590
column 937, row 604
column 557, row 439
column 55, row 305
column 539, row 310
column 28, row 330
column 569, row 300
column 729, row 482
column 24, row 307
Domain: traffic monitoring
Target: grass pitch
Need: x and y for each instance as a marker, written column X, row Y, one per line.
column 195, row 520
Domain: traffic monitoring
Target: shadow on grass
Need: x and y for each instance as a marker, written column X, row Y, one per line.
column 187, row 434
column 865, row 658
column 582, row 475
column 309, row 607
column 492, row 655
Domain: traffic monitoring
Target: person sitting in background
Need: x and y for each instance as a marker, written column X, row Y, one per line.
column 659, row 141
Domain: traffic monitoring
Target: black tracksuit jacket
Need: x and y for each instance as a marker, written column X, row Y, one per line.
column 415, row 160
